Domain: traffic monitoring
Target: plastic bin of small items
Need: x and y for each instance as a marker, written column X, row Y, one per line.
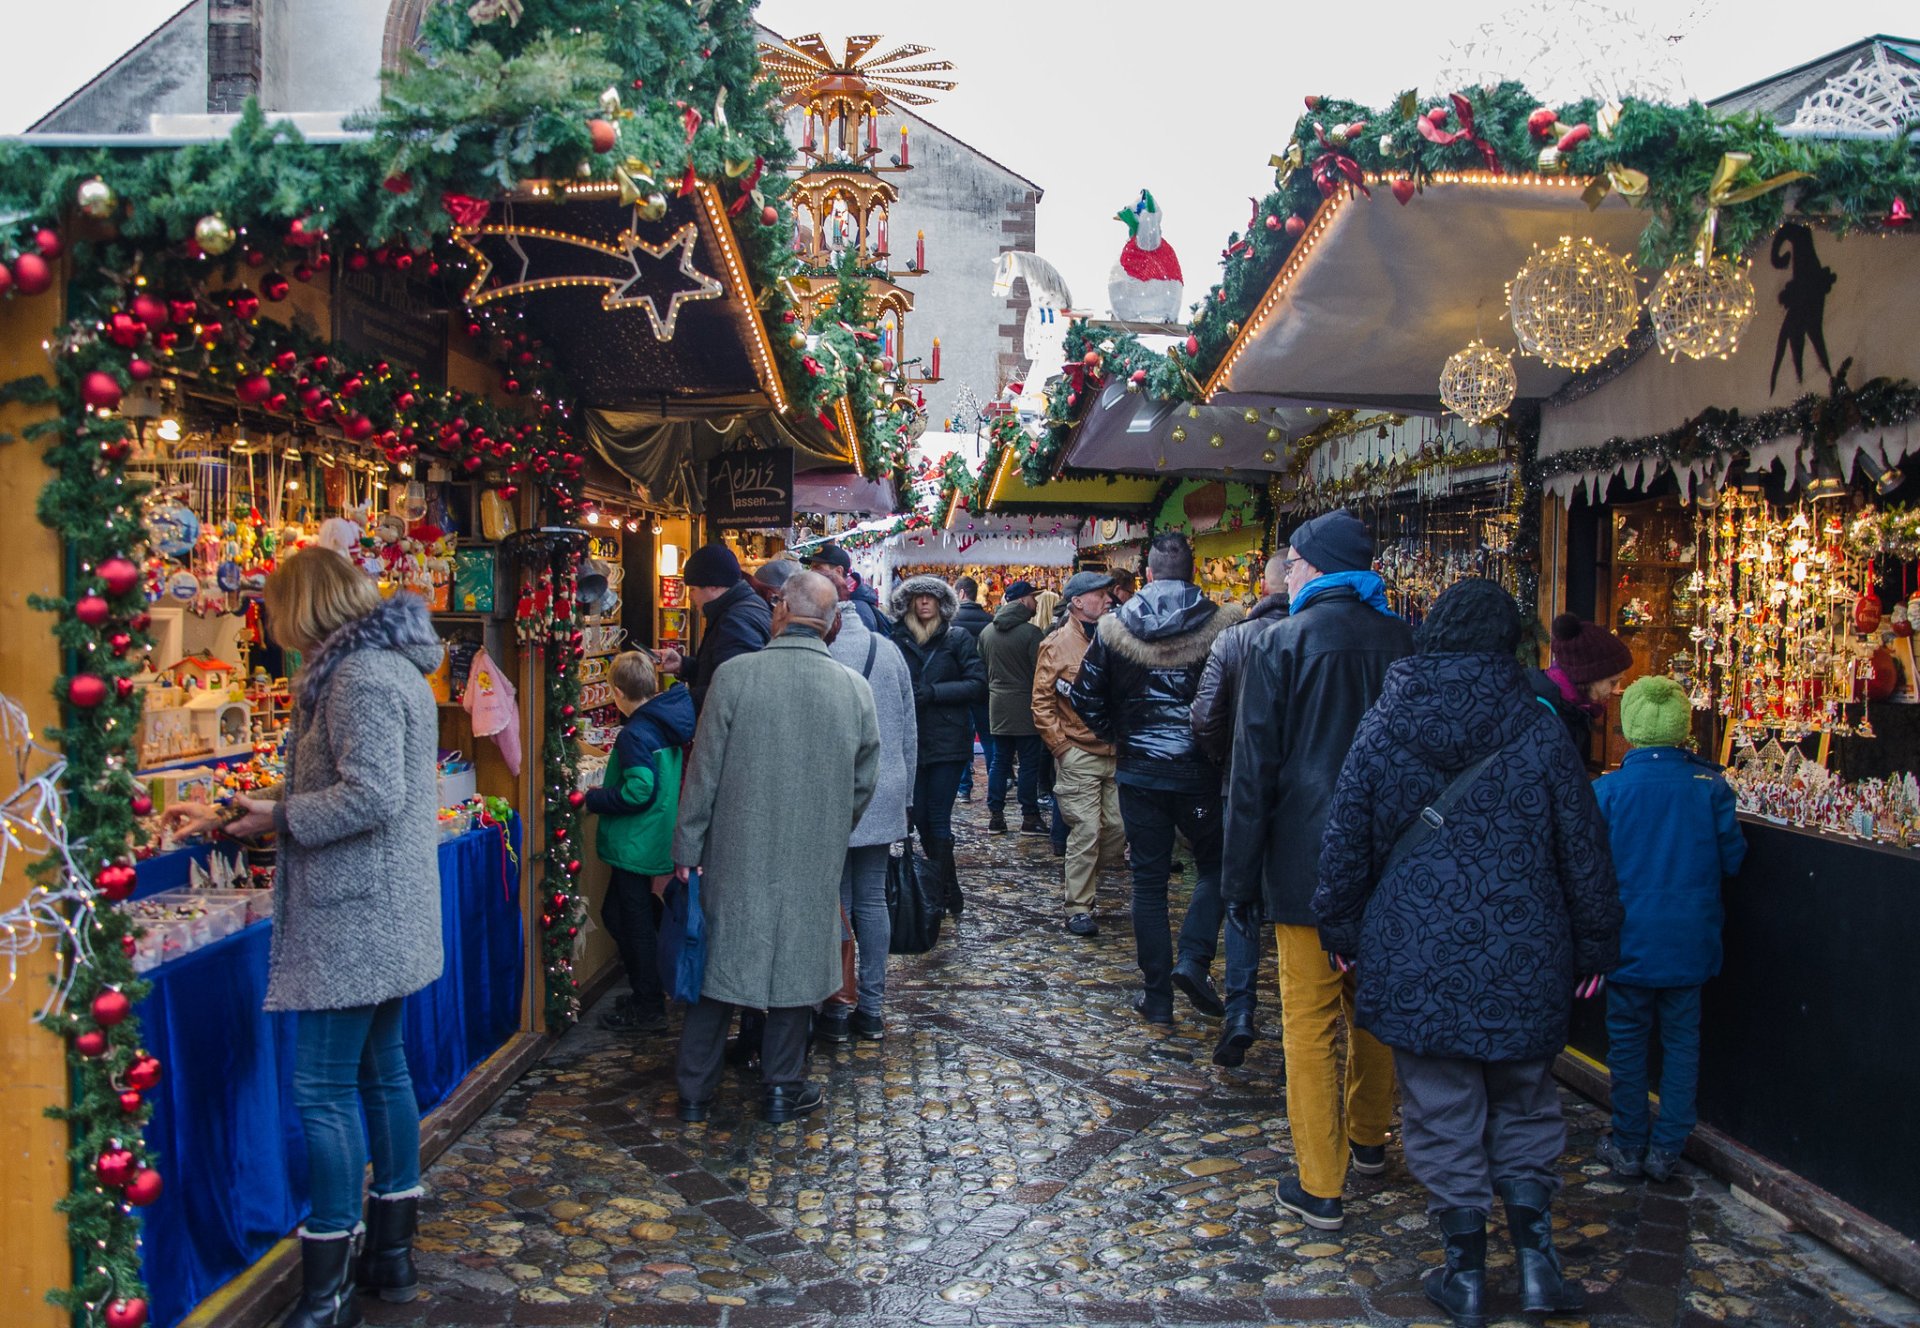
column 178, row 922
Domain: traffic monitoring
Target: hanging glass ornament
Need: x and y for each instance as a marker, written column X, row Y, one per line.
column 1573, row 304
column 1701, row 308
column 1478, row 382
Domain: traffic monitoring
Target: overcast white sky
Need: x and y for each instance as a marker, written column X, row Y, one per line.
column 1183, row 97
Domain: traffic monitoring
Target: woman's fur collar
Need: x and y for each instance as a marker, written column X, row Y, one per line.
column 901, row 600
column 401, row 624
column 1170, row 652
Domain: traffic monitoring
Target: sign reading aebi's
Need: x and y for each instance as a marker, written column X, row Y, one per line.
column 751, row 490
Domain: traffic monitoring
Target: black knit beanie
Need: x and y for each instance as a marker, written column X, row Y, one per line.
column 1335, row 541
column 1474, row 616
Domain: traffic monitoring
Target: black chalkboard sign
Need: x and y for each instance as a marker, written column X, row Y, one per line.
column 751, row 489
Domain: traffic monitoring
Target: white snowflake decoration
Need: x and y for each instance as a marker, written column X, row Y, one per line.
column 1877, row 95
column 1564, row 50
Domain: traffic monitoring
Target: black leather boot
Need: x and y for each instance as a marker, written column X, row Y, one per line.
column 1544, row 1289
column 1460, row 1287
column 386, row 1267
column 326, row 1282
column 949, row 877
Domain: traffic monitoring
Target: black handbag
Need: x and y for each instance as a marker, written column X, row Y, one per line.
column 912, row 911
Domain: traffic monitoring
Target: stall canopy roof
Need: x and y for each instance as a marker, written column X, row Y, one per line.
column 1376, row 296
column 1008, row 491
column 1132, row 433
column 597, row 283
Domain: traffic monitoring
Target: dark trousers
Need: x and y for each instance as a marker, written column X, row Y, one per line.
column 628, row 914
column 1632, row 1013
column 703, row 1047
column 978, row 718
column 1468, row 1125
column 934, row 788
column 1027, row 751
column 1151, row 817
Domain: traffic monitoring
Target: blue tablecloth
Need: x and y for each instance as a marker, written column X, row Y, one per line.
column 224, row 1128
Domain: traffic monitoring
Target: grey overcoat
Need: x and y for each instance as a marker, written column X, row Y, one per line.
column 885, row 820
column 784, row 763
column 356, row 900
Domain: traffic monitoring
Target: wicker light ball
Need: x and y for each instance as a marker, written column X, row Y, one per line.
column 1478, row 383
column 1700, row 309
column 1573, row 304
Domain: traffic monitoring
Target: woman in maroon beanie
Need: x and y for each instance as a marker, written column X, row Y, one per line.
column 1588, row 663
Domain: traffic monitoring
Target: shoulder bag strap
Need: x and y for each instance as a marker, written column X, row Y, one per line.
column 873, row 648
column 1433, row 816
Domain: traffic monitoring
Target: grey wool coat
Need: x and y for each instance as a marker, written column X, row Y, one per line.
column 784, row 763
column 356, row 902
column 885, row 820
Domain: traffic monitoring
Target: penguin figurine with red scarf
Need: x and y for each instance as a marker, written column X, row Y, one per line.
column 1145, row 285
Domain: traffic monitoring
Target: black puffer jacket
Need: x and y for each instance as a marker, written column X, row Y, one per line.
column 949, row 678
column 738, row 622
column 971, row 619
column 1220, row 683
column 1302, row 694
column 1472, row 947
column 1137, row 684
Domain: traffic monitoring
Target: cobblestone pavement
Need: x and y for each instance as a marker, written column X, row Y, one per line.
column 1019, row 1150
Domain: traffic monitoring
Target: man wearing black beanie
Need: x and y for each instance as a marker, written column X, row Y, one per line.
column 737, row 621
column 1306, row 685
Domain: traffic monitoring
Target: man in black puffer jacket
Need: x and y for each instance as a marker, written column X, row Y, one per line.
column 738, row 621
column 1470, row 947
column 973, row 620
column 1214, row 703
column 1136, row 690
column 1306, row 685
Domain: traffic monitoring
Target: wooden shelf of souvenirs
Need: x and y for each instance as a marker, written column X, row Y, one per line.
column 1646, row 597
column 193, row 709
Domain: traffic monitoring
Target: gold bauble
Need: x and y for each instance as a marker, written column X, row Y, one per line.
column 212, row 234
column 1700, row 309
column 1275, row 433
column 1574, row 303
column 96, row 198
column 1251, row 415
column 1179, row 434
column 653, row 207
column 1218, row 440
column 1478, row 382
column 1269, row 456
column 1193, row 412
column 798, row 340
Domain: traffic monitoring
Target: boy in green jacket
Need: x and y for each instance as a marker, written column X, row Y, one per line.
column 638, row 802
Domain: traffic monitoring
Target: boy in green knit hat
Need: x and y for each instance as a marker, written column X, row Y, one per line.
column 1670, row 817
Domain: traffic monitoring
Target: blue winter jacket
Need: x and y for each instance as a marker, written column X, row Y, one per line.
column 1670, row 816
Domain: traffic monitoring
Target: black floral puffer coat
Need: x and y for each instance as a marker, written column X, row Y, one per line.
column 1473, row 946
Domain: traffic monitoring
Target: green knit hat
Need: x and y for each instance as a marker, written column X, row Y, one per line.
column 1655, row 712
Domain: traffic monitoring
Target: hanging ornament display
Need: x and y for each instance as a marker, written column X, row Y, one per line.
column 1701, row 308
column 1478, row 382
column 1574, row 303
column 213, row 234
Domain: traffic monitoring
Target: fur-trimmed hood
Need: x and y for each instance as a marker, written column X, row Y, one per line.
column 400, row 624
column 901, row 600
column 1172, row 627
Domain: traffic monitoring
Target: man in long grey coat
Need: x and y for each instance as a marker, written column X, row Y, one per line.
column 784, row 763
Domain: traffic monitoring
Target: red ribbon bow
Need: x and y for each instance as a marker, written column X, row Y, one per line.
column 690, row 117
column 1464, row 110
column 1077, row 373
column 1245, row 243
column 1333, row 165
column 466, row 211
column 747, row 187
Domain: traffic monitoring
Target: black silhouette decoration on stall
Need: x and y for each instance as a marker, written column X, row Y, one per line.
column 1805, row 298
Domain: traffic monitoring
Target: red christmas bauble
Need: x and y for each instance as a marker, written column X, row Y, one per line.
column 1866, row 613
column 100, row 390
column 140, row 805
column 118, row 450
column 120, row 576
column 126, row 331
column 144, row 1188
column 91, row 1043
column 32, row 274
column 139, row 370
column 150, row 310
column 144, row 1073
column 86, row 690
column 128, row 946
column 576, row 798
column 110, row 1007
column 769, row 215
column 1296, row 226
column 274, row 287
column 182, row 311
column 602, row 134
column 6, row 278
column 91, row 610
column 1193, row 345
column 114, row 1167
column 358, row 427
column 131, row 1102
column 123, row 687
column 48, row 241
column 1886, row 675
column 255, row 389
column 128, row 1313
column 115, row 881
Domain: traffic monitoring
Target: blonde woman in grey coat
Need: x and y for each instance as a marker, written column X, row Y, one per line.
column 356, row 911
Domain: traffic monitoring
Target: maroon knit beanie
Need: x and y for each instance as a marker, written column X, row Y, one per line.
column 1586, row 652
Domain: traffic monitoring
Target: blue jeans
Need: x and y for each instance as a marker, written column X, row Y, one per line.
column 934, row 786
column 863, row 899
column 1631, row 1015
column 1152, row 816
column 978, row 716
column 344, row 1059
column 1028, row 751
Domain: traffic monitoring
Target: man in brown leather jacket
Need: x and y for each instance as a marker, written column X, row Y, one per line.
column 1083, row 784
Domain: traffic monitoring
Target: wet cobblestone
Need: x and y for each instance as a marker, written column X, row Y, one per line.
column 1020, row 1150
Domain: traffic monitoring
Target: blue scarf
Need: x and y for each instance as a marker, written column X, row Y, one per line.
column 1368, row 585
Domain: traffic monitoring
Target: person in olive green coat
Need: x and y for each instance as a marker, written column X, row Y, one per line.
column 1011, row 649
column 785, row 761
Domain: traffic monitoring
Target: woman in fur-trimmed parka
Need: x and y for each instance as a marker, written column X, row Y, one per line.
column 949, row 680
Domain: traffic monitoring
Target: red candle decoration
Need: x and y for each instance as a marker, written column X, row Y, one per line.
column 873, row 132
column 903, row 146
column 936, row 359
